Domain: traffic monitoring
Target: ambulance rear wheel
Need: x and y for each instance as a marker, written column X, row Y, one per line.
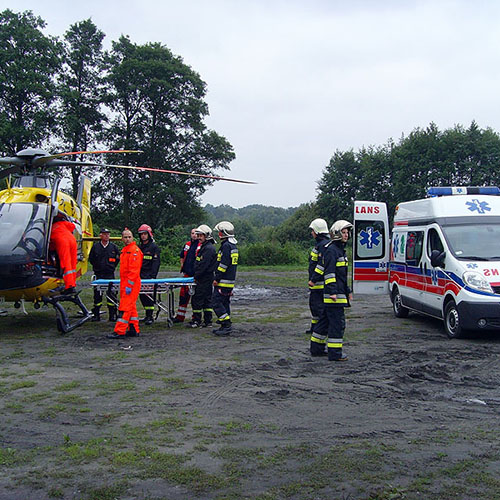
column 452, row 323
column 400, row 311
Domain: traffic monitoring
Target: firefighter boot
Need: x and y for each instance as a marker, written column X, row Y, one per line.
column 96, row 314
column 225, row 329
column 317, row 349
column 335, row 354
column 112, row 314
column 207, row 320
column 148, row 320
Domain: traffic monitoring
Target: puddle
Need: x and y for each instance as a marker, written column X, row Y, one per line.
column 249, row 292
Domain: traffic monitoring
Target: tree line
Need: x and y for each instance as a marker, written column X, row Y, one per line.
column 70, row 94
column 404, row 170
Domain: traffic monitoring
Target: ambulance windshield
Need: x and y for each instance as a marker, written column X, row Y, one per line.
column 474, row 242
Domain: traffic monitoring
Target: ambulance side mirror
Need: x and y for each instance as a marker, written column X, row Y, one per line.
column 437, row 258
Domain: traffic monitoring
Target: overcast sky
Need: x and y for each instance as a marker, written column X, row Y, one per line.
column 290, row 82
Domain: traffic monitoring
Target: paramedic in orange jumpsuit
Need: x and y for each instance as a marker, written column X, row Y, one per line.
column 63, row 242
column 130, row 286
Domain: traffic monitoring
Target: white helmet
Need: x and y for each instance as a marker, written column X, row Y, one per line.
column 338, row 226
column 226, row 230
column 204, row 229
column 319, row 226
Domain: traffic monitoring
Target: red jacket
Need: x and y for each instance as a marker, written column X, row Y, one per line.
column 130, row 266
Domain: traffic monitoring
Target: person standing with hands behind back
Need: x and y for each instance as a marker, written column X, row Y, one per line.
column 150, row 267
column 130, row 285
column 104, row 257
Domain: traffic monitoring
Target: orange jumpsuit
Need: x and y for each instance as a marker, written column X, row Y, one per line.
column 64, row 243
column 130, row 280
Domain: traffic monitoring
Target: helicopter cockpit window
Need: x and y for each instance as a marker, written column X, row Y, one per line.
column 23, row 228
column 32, row 181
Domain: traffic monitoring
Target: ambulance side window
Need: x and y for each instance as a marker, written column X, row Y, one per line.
column 414, row 245
column 434, row 242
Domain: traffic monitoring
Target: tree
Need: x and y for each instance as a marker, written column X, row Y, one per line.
column 158, row 107
column 28, row 62
column 338, row 186
column 81, row 90
column 296, row 228
column 404, row 171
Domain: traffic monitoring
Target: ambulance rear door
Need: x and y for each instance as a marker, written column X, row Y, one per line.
column 370, row 248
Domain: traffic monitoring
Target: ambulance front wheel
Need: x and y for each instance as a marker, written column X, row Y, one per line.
column 452, row 323
column 397, row 304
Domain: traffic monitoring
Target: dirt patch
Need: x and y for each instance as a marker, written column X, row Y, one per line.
column 180, row 413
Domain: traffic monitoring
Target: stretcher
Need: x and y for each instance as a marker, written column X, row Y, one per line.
column 154, row 289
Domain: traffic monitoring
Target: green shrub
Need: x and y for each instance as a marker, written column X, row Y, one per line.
column 272, row 253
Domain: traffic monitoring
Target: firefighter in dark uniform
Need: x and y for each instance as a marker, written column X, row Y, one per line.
column 104, row 257
column 319, row 231
column 204, row 267
column 149, row 269
column 225, row 276
column 187, row 256
column 337, row 296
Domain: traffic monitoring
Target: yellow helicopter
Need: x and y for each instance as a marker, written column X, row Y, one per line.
column 28, row 270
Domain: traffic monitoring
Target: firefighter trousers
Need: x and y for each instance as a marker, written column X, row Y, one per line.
column 221, row 300
column 184, row 298
column 316, row 305
column 202, row 301
column 329, row 330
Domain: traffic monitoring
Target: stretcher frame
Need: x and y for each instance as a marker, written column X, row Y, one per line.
column 154, row 289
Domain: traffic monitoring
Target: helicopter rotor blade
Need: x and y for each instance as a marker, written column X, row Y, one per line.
column 12, row 161
column 46, row 159
column 12, row 170
column 179, row 172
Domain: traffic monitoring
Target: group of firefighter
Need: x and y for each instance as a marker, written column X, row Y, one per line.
column 329, row 292
column 214, row 274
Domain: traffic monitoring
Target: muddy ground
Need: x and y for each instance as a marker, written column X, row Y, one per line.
column 181, row 414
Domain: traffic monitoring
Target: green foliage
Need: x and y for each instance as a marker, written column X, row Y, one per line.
column 171, row 241
column 28, row 62
column 296, row 227
column 158, row 107
column 81, row 90
column 270, row 253
column 62, row 94
column 399, row 172
column 256, row 215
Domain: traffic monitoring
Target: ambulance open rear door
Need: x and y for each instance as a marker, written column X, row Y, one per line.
column 370, row 248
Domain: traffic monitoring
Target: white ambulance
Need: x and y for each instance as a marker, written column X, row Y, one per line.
column 443, row 259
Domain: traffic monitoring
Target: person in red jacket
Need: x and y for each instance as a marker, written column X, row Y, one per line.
column 63, row 242
column 130, row 286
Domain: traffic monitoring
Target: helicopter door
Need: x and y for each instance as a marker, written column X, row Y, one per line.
column 370, row 247
column 83, row 198
column 51, row 213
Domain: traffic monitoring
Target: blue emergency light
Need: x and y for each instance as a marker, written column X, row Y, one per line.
column 449, row 191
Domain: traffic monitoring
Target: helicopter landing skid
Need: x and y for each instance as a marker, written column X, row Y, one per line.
column 63, row 323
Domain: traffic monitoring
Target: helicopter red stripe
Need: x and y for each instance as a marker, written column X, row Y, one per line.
column 218, row 178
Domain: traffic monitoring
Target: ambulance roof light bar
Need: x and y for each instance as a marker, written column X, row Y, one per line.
column 449, row 191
